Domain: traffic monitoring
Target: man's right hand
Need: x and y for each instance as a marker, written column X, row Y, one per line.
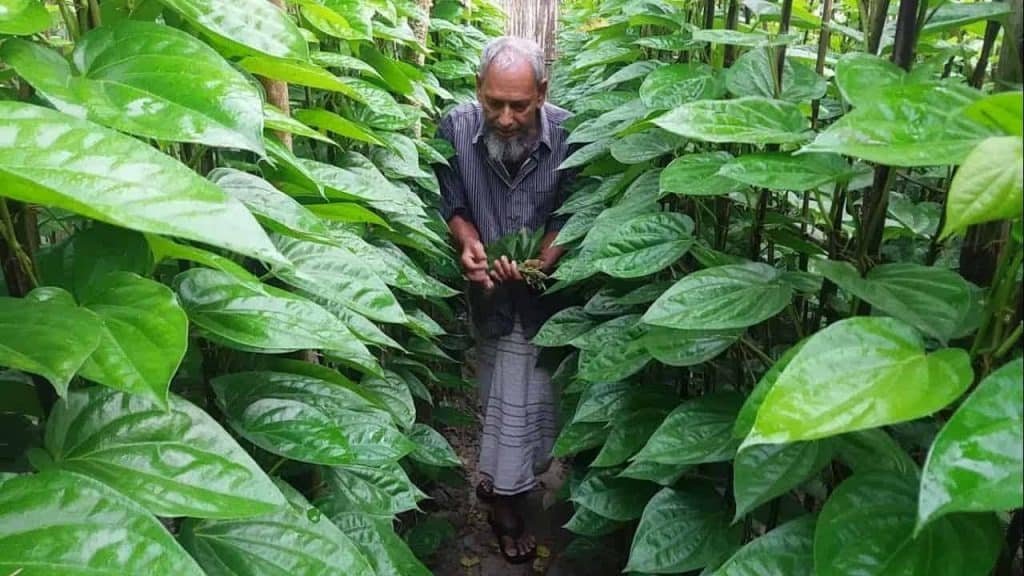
column 474, row 264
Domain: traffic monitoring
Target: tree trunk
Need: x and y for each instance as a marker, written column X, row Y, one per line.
column 277, row 93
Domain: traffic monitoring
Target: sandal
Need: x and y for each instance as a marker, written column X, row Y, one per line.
column 485, row 490
column 514, row 532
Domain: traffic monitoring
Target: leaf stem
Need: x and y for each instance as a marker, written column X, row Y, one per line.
column 757, row 351
column 1010, row 341
column 11, row 237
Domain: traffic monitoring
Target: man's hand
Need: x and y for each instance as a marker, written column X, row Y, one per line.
column 474, row 264
column 506, row 270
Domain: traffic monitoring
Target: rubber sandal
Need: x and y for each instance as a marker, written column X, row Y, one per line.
column 485, row 490
column 515, row 532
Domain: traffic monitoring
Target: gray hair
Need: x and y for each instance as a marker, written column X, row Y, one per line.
column 507, row 50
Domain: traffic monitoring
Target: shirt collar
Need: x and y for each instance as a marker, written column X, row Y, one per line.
column 545, row 129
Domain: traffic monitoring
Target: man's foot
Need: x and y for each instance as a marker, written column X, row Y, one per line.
column 485, row 490
column 515, row 544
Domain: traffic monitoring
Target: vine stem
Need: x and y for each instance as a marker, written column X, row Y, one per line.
column 11, row 237
column 1010, row 261
column 1010, row 341
column 757, row 351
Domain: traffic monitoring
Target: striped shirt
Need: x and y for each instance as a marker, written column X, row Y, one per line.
column 480, row 189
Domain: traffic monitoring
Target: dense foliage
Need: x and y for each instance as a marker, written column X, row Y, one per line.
column 215, row 310
column 777, row 365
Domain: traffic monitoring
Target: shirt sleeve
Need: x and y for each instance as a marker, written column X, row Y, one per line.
column 453, row 192
column 566, row 186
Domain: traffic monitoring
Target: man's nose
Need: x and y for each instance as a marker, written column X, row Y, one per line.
column 506, row 118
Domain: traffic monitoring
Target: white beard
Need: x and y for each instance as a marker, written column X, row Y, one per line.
column 511, row 151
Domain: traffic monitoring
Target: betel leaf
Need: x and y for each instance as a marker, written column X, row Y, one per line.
column 745, row 420
column 255, row 316
column 586, row 522
column 753, row 74
column 676, row 84
column 764, row 472
column 338, row 124
column 844, row 378
column 277, row 210
column 934, row 300
column 697, row 175
column 873, row 449
column 431, row 447
column 976, row 463
column 722, row 298
column 784, row 551
column 618, row 499
column 645, row 245
column 782, row 171
column 576, row 438
column 613, row 351
column 861, row 77
column 643, row 146
column 275, row 119
column 175, row 462
column 563, row 327
column 97, row 531
column 303, row 73
column 391, row 392
column 988, row 186
column 24, row 17
column 144, row 336
column 120, row 76
column 337, row 274
column 308, row 419
column 380, row 490
column 740, row 38
column 601, row 401
column 630, row 430
column 55, row 160
column 92, row 253
column 751, row 120
column 34, row 337
column 698, row 431
column 247, row 25
column 387, row 553
column 867, row 527
column 681, row 530
column 288, row 541
column 1002, row 111
column 952, row 15
column 688, row 347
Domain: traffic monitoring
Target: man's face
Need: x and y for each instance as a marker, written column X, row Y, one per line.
column 510, row 98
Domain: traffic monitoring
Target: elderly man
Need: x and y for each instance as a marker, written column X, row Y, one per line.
column 503, row 178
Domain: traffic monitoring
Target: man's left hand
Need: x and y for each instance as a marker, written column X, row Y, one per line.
column 506, row 270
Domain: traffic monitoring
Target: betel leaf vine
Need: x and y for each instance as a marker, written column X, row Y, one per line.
column 226, row 294
column 798, row 229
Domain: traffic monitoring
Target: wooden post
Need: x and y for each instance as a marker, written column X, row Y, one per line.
column 277, row 93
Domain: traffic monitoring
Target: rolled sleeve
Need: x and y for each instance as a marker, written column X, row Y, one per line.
column 453, row 192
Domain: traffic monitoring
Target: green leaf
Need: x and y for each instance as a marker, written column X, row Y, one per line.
column 586, row 154
column 121, row 76
column 1003, row 111
column 175, row 462
column 278, row 211
column 380, row 490
column 676, row 84
column 698, row 175
column 388, row 69
column 340, row 125
column 753, row 74
column 432, row 448
column 873, row 449
column 395, row 267
column 337, row 274
column 867, row 527
column 784, row 551
column 618, row 499
column 392, row 393
column 144, row 336
column 292, row 540
column 696, row 432
column 56, row 160
column 988, row 186
column 246, row 25
column 601, row 401
column 844, row 378
column 644, row 146
column 564, row 327
column 975, row 463
column 722, row 298
column 386, row 552
column 630, row 430
column 164, row 249
column 34, row 337
column 275, row 119
column 24, row 18
column 681, row 531
column 308, row 419
column 739, row 38
column 782, row 171
column 586, row 522
column 257, row 316
column 576, row 438
column 745, row 420
column 59, row 522
column 90, row 254
column 614, row 350
column 953, row 15
column 762, row 473
column 302, row 73
column 645, row 245
column 688, row 347
column 661, row 474
column 749, row 120
column 427, row 537
column 339, row 18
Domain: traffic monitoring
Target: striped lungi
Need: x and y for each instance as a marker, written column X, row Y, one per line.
column 520, row 415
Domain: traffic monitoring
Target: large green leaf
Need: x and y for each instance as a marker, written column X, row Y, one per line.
column 934, row 300
column 387, row 553
column 614, row 350
column 90, row 254
column 586, row 522
column 750, row 120
column 340, row 18
column 630, row 430
column 55, row 160
column 175, row 462
column 149, row 80
column 278, row 211
column 254, row 316
column 753, row 74
column 873, row 449
column 784, row 551
column 976, row 462
column 293, row 540
column 861, row 78
column 1003, row 111
column 576, row 438
column 618, row 499
column 755, row 38
column 275, row 119
column 300, row 72
column 681, row 531
column 305, row 418
column 52, row 338
column 745, row 420
column 338, row 124
column 563, row 327
column 764, row 472
column 867, row 527
column 391, row 392
column 144, row 337
column 988, row 186
column 431, row 447
column 688, row 347
column 24, row 17
column 676, row 84
column 698, row 175
column 722, row 298
column 645, row 245
column 846, row 376
column 952, row 15
column 644, row 146
column 696, row 432
column 58, row 523
column 247, row 25
column 782, row 171
column 395, row 267
column 337, row 274
column 601, row 401
column 380, row 490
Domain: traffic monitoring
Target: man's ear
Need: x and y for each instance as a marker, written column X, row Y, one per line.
column 542, row 92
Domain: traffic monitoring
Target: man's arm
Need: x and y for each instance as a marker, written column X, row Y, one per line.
column 473, row 257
